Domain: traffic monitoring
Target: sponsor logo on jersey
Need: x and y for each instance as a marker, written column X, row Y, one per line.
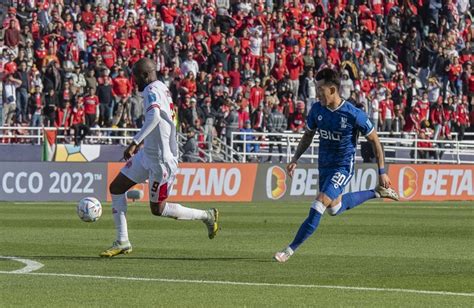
column 328, row 135
column 151, row 97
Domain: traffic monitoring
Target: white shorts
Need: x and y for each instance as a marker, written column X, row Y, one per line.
column 160, row 179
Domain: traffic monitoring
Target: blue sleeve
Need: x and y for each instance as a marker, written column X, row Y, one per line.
column 363, row 123
column 311, row 119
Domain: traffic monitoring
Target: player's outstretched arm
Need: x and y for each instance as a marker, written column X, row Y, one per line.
column 305, row 142
column 373, row 138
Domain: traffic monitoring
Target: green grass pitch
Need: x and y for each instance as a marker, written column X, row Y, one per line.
column 371, row 250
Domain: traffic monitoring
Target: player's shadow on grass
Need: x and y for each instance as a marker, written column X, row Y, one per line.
column 73, row 258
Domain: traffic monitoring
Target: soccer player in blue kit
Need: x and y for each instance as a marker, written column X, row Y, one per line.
column 338, row 123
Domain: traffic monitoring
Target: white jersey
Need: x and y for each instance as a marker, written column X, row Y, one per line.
column 159, row 130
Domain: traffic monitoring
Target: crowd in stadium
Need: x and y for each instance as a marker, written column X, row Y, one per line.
column 246, row 65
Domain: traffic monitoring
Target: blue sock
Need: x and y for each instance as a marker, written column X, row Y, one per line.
column 351, row 200
column 307, row 228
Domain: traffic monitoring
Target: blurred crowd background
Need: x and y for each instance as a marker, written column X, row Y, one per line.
column 237, row 65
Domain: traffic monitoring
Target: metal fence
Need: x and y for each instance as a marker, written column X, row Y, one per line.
column 402, row 148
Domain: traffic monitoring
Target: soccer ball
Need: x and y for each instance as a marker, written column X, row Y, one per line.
column 89, row 209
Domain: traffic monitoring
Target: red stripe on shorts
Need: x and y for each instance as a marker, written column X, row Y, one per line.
column 163, row 193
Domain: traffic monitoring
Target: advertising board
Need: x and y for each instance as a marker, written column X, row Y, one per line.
column 433, row 182
column 44, row 181
column 274, row 184
column 225, row 182
column 205, row 182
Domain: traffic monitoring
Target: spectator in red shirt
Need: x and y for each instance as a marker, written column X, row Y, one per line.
column 425, row 147
column 133, row 41
column 454, row 76
column 143, row 31
column 78, row 122
column 235, row 77
column 437, row 117
column 109, row 56
column 259, row 119
column 333, row 53
column 279, row 70
column 461, row 117
column 386, row 113
column 10, row 67
column 121, row 87
column 87, row 15
column 91, row 103
column 188, row 85
column 200, row 35
column 256, row 95
column 64, row 116
column 243, row 115
column 297, row 119
column 215, row 38
column 40, row 54
column 135, row 55
column 424, row 107
column 12, row 35
column 121, row 90
column 295, row 68
column 413, row 121
column 109, row 35
column 168, row 15
column 36, row 104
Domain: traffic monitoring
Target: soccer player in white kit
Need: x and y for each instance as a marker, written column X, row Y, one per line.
column 156, row 161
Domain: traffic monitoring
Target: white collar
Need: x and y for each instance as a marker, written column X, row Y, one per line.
column 338, row 107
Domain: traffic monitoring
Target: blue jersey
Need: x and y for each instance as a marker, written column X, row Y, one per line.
column 338, row 132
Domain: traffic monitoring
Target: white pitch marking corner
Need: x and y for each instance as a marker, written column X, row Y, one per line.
column 30, row 265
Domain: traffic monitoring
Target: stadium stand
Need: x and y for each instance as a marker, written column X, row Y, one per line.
column 228, row 64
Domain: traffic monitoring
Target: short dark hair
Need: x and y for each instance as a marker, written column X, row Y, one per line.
column 329, row 75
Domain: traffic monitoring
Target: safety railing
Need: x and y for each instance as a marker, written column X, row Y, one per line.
column 255, row 146
column 210, row 150
column 241, row 149
column 35, row 135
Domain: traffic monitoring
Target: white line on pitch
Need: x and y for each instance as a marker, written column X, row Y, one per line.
column 252, row 284
column 30, row 265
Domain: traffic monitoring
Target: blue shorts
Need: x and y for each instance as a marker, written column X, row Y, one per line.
column 333, row 181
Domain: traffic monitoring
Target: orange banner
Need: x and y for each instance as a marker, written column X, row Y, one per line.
column 204, row 182
column 433, row 182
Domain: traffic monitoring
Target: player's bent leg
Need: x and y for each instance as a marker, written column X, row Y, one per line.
column 159, row 192
column 121, row 184
column 350, row 201
column 177, row 211
column 354, row 199
column 209, row 217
